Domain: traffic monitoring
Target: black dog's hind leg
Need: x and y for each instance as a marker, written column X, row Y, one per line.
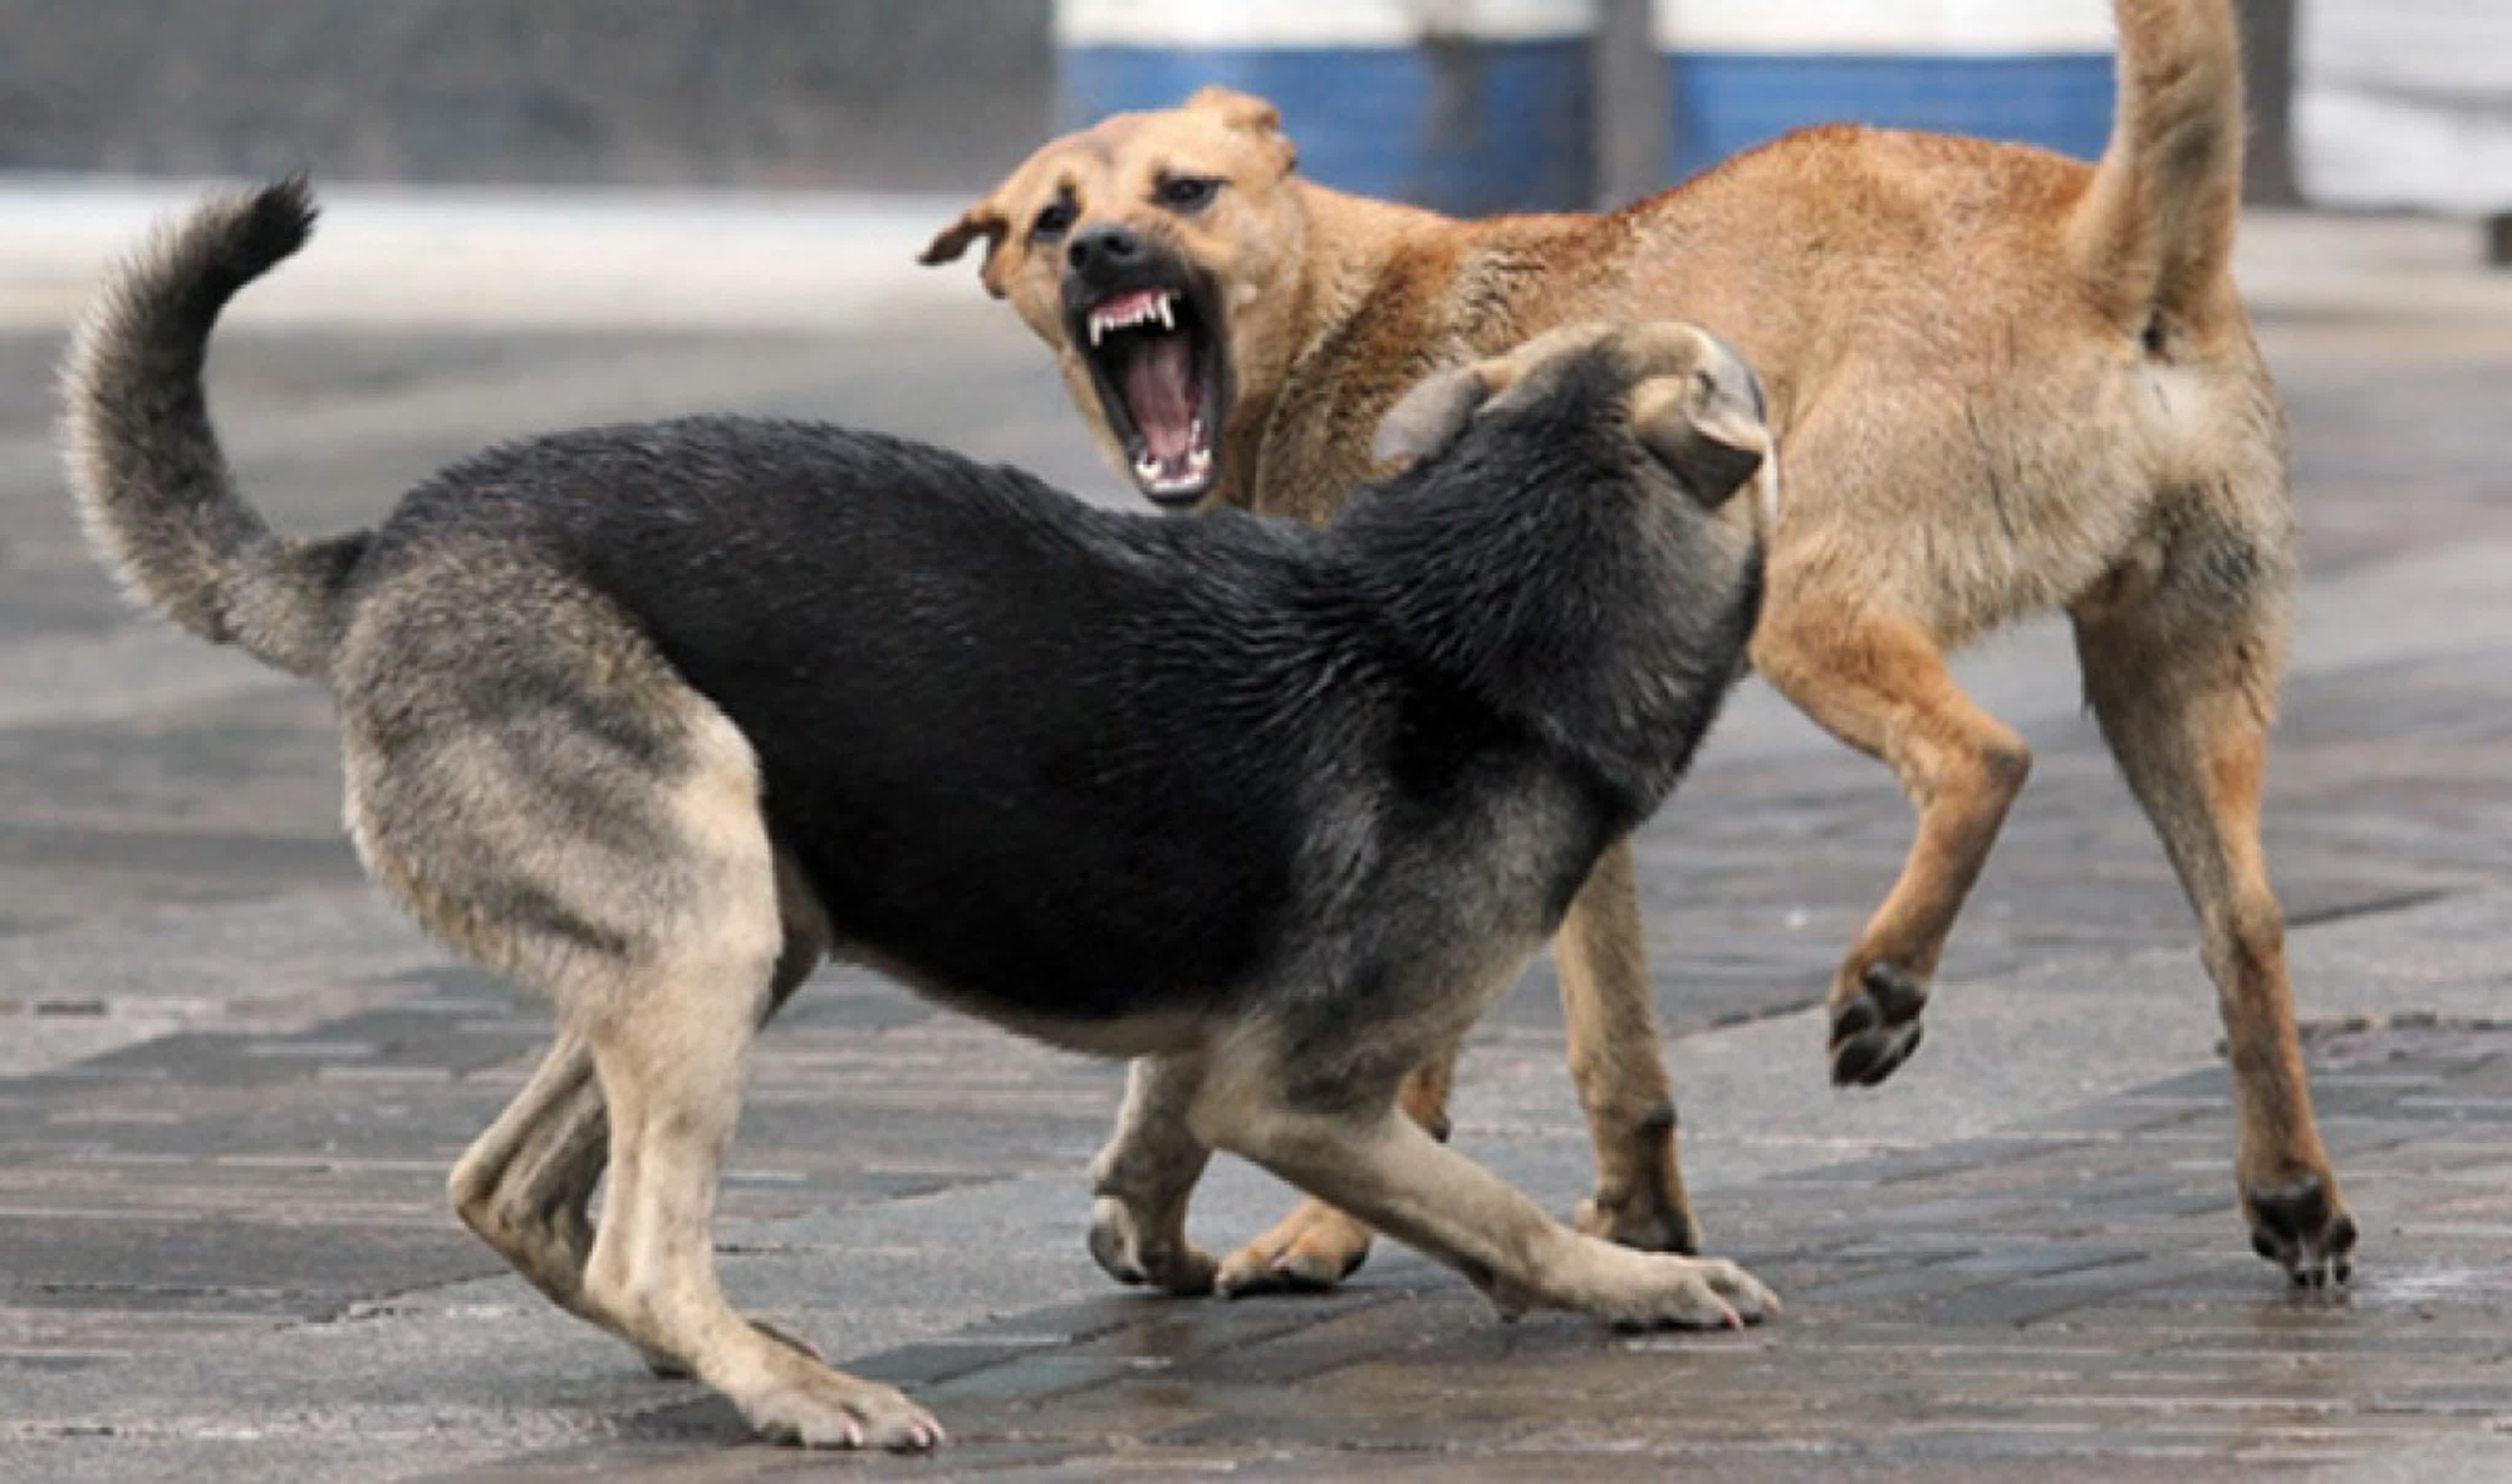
column 526, row 1185
column 1143, row 1177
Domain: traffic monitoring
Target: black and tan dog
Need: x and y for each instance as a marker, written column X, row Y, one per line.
column 2006, row 382
column 655, row 718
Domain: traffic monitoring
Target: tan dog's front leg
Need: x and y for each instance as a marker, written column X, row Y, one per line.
column 1879, row 683
column 1602, row 958
column 1316, row 1246
column 1386, row 1168
column 1143, row 1177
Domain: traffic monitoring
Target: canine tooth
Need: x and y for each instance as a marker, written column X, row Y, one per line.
column 1162, row 306
column 1098, row 327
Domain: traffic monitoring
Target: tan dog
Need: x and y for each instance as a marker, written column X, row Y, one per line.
column 2006, row 381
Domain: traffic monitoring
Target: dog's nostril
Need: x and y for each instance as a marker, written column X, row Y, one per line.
column 1106, row 246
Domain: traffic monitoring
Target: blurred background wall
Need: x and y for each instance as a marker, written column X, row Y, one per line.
column 870, row 94
column 1472, row 106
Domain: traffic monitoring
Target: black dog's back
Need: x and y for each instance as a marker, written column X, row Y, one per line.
column 1035, row 749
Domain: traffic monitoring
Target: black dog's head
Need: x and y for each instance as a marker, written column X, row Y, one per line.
column 1565, row 545
column 1693, row 405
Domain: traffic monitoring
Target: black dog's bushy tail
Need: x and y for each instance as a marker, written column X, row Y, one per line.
column 153, row 489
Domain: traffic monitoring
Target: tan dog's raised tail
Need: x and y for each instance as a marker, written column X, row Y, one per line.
column 2004, row 381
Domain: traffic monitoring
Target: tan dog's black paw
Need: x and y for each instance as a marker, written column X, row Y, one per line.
column 1644, row 1225
column 2300, row 1226
column 1874, row 1032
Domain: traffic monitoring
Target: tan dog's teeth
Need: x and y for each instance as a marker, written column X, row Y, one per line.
column 1163, row 307
column 1098, row 327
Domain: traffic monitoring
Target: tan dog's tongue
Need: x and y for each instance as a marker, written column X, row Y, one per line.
column 1160, row 391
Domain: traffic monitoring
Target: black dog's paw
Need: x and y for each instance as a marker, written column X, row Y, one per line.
column 1875, row 1032
column 1126, row 1252
column 2299, row 1226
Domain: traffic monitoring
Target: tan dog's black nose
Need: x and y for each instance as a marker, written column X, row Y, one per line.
column 1100, row 252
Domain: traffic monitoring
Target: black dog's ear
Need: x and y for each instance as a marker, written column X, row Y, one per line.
column 1713, row 454
column 1430, row 417
column 1700, row 409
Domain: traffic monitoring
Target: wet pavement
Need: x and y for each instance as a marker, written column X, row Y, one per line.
column 231, row 1079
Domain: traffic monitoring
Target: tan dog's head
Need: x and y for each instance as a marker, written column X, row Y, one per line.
column 1695, row 404
column 1152, row 252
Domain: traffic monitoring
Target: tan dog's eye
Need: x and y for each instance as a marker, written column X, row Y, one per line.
column 1188, row 194
column 1052, row 223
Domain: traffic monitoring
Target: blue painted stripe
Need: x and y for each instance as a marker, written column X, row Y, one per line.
column 1468, row 127
column 1728, row 101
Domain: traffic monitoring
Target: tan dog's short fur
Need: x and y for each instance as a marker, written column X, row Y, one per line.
column 2005, row 381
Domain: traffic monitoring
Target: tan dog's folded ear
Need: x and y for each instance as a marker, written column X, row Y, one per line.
column 1703, row 416
column 1241, row 110
column 1430, row 417
column 1252, row 114
column 984, row 219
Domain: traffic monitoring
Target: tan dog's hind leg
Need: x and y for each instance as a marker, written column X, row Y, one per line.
column 1602, row 955
column 1143, row 1177
column 1388, row 1170
column 1316, row 1246
column 1879, row 683
column 2185, row 706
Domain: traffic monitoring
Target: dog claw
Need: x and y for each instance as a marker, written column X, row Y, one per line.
column 1691, row 1293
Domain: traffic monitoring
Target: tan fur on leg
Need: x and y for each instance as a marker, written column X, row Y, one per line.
column 1611, row 1011
column 2187, row 717
column 1879, row 683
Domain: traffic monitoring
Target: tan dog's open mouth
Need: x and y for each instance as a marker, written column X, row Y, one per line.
column 1149, row 332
